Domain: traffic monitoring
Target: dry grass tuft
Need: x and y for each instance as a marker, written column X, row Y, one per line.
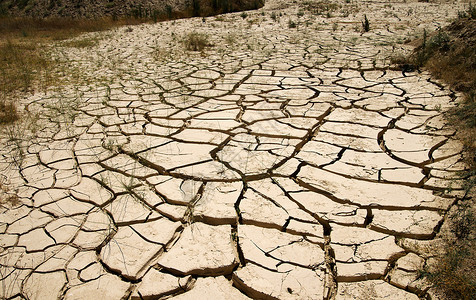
column 196, row 41
column 8, row 112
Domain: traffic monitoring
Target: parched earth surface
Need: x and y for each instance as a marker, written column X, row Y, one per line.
column 284, row 161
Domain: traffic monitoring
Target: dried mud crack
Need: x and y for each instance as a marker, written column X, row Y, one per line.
column 285, row 162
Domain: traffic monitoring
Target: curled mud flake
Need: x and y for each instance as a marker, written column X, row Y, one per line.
column 107, row 286
column 214, row 288
column 35, row 219
column 128, row 253
column 34, row 286
column 361, row 192
column 201, row 250
column 406, row 274
column 157, row 284
column 259, row 211
column 270, row 248
column 376, row 289
column 422, row 224
column 291, row 282
column 35, row 240
column 90, row 190
column 217, row 203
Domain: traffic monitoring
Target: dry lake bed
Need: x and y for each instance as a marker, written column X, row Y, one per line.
column 289, row 159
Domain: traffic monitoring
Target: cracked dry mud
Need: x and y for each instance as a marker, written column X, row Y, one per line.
column 286, row 163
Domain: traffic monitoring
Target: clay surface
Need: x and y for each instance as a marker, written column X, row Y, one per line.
column 287, row 160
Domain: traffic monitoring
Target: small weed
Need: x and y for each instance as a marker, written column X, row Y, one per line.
column 366, row 24
column 19, row 135
column 196, row 41
column 64, row 110
column 274, row 16
column 230, row 39
column 291, row 24
column 466, row 111
column 244, row 15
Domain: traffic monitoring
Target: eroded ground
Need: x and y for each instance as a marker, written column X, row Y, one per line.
column 284, row 161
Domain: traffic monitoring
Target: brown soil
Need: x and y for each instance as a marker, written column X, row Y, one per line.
column 154, row 9
column 450, row 54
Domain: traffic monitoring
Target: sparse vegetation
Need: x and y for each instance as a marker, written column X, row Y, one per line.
column 20, row 62
column 450, row 54
column 139, row 9
column 21, row 65
column 26, row 64
column 451, row 275
column 319, row 7
column 455, row 272
column 7, row 196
